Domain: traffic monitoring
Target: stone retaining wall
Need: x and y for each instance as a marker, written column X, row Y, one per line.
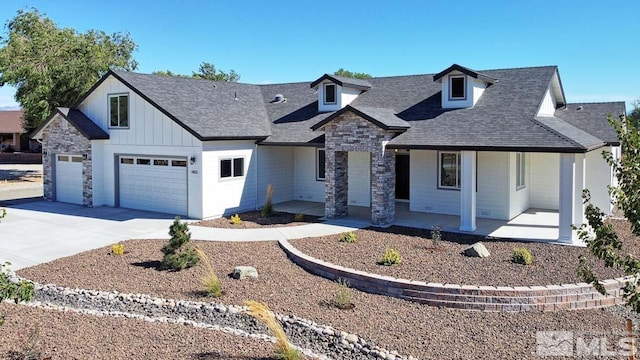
column 470, row 297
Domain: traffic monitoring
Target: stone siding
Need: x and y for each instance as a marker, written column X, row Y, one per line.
column 350, row 132
column 60, row 137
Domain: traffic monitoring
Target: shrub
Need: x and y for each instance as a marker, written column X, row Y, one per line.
column 342, row 298
column 349, row 237
column 282, row 346
column 178, row 253
column 117, row 249
column 22, row 290
column 391, row 257
column 522, row 256
column 3, row 213
column 436, row 236
column 211, row 282
column 298, row 217
column 267, row 209
column 235, row 219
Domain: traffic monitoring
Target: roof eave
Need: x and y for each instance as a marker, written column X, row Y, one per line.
column 569, row 150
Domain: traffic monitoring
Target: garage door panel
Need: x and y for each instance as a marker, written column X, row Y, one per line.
column 69, row 184
column 151, row 183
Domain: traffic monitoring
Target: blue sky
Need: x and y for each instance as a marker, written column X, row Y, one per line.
column 594, row 43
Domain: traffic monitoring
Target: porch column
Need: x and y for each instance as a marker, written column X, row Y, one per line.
column 336, row 184
column 383, row 187
column 468, row 191
column 571, row 209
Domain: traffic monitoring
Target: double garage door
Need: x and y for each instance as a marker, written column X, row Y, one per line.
column 153, row 184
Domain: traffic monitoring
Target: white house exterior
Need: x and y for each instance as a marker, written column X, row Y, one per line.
column 489, row 144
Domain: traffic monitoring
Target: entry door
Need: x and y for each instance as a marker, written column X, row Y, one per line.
column 402, row 176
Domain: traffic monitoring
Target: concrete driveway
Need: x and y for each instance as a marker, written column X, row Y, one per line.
column 36, row 232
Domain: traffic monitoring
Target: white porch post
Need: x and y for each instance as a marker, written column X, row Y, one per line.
column 572, row 182
column 468, row 191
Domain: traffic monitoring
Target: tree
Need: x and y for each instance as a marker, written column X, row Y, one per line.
column 634, row 114
column 52, row 66
column 599, row 235
column 355, row 75
column 206, row 71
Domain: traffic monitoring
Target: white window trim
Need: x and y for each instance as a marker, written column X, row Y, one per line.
column 232, row 177
column 458, row 164
column 464, row 87
column 335, row 89
column 521, row 170
column 109, row 96
column 318, row 178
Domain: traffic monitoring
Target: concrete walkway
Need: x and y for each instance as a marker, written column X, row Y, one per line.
column 36, row 232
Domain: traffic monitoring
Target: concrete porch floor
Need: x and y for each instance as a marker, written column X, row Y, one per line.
column 531, row 225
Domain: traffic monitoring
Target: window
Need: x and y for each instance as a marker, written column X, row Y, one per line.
column 143, row 161
column 126, row 161
column 457, row 88
column 329, row 94
column 449, row 165
column 179, row 163
column 119, row 111
column 320, row 162
column 520, row 170
column 232, row 167
column 159, row 162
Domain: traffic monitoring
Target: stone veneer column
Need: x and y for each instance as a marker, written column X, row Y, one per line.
column 336, row 184
column 383, row 187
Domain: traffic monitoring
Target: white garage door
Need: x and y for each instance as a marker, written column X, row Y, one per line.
column 69, row 179
column 153, row 184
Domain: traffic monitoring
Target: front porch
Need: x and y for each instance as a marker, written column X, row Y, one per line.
column 531, row 225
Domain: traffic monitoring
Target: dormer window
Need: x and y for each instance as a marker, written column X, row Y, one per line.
column 329, row 94
column 457, row 85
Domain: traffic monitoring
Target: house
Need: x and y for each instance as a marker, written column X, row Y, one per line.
column 11, row 129
column 476, row 144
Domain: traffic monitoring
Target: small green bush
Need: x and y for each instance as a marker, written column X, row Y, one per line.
column 20, row 291
column 235, row 219
column 298, row 217
column 391, row 257
column 342, row 298
column 178, row 253
column 349, row 237
column 3, row 213
column 522, row 256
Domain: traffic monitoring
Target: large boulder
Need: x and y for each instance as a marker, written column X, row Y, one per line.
column 477, row 250
column 244, row 272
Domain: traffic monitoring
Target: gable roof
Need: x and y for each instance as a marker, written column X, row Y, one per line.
column 11, row 121
column 474, row 74
column 382, row 117
column 77, row 119
column 360, row 84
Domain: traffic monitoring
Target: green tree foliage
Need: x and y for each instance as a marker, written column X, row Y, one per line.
column 206, row 71
column 178, row 253
column 52, row 66
column 634, row 114
column 355, row 75
column 599, row 235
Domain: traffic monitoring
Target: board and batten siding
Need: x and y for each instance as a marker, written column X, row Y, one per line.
column 275, row 167
column 225, row 196
column 544, row 180
column 548, row 106
column 150, row 133
column 359, row 173
column 306, row 187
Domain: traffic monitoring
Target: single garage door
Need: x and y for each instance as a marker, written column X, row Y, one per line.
column 69, row 179
column 153, row 184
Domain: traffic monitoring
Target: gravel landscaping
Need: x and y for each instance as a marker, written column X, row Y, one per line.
column 255, row 220
column 408, row 328
column 421, row 260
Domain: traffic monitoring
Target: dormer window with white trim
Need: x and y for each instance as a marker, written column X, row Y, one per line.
column 457, row 88
column 330, row 94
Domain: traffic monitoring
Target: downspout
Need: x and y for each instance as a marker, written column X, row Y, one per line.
column 255, row 207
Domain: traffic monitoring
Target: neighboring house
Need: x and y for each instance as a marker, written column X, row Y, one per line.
column 11, row 129
column 488, row 144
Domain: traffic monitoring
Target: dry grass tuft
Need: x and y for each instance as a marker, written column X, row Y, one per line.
column 261, row 312
column 210, row 281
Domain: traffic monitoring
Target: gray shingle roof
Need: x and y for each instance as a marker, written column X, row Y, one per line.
column 208, row 109
column 361, row 84
column 78, row 120
column 592, row 118
column 464, row 70
column 382, row 117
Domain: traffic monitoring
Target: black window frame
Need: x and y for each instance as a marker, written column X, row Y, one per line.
column 232, row 168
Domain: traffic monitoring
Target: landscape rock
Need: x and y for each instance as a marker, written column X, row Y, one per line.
column 477, row 250
column 244, row 272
